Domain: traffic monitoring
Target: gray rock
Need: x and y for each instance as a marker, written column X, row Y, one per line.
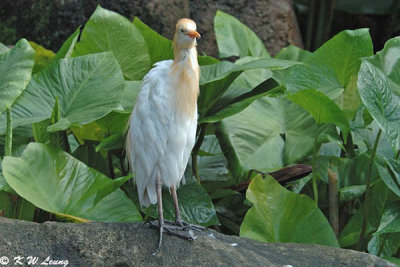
column 132, row 244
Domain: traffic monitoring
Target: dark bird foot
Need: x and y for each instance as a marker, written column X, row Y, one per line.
column 172, row 228
column 178, row 228
column 185, row 225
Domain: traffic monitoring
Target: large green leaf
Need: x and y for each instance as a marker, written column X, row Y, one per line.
column 350, row 171
column 217, row 78
column 364, row 137
column 290, row 53
column 212, row 89
column 350, row 193
column 279, row 215
column 114, row 123
column 109, row 31
column 87, row 88
column 159, row 47
column 268, row 87
column 211, row 162
column 68, row 46
column 269, row 134
column 380, row 198
column 313, row 75
column 333, row 68
column 387, row 60
column 132, row 89
column 194, row 203
column 390, row 243
column 243, row 84
column 3, row 184
column 236, row 39
column 390, row 221
column 55, row 181
column 389, row 171
column 388, row 233
column 15, row 72
column 214, row 72
column 112, row 142
column 342, row 53
column 379, row 87
column 321, row 108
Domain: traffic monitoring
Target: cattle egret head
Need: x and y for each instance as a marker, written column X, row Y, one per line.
column 185, row 34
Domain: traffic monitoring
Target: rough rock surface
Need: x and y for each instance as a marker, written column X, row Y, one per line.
column 49, row 23
column 132, row 244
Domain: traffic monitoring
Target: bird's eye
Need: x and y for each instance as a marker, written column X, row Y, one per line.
column 182, row 30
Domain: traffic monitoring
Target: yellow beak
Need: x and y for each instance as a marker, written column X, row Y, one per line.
column 193, row 34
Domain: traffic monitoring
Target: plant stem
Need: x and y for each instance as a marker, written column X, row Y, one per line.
column 381, row 246
column 8, row 144
column 110, row 164
column 333, row 201
column 321, row 24
column 314, row 167
column 196, row 149
column 350, row 146
column 65, row 141
column 329, row 15
column 26, row 210
column 121, row 161
column 367, row 193
column 310, row 23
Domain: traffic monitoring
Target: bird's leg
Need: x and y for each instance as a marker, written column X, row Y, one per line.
column 179, row 231
column 178, row 220
column 160, row 212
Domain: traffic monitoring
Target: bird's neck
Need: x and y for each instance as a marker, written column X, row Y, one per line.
column 186, row 65
column 186, row 76
column 186, row 57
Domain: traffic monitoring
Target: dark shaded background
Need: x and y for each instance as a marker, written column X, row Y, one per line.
column 50, row 22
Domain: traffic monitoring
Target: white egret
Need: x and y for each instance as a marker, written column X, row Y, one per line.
column 162, row 127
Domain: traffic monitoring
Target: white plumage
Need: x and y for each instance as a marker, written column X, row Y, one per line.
column 160, row 138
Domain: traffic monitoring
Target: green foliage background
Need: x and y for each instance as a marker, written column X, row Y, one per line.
column 63, row 118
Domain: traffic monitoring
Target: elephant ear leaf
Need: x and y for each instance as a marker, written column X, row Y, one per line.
column 279, row 215
column 109, row 31
column 87, row 88
column 16, row 66
column 321, row 108
column 379, row 87
column 236, row 39
column 334, row 75
column 54, row 181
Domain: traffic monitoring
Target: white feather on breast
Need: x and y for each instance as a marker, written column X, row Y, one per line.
column 159, row 139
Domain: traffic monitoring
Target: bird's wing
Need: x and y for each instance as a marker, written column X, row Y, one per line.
column 190, row 140
column 180, row 140
column 148, row 125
